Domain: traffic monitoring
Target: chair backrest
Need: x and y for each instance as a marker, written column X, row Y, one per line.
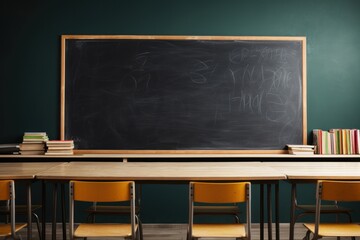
column 101, row 191
column 7, row 192
column 219, row 192
column 90, row 191
column 334, row 191
column 235, row 192
column 339, row 190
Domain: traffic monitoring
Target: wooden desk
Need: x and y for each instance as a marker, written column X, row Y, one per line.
column 312, row 171
column 172, row 172
column 162, row 171
column 318, row 170
column 25, row 171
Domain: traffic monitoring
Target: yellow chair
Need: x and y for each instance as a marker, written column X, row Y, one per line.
column 7, row 192
column 341, row 191
column 219, row 193
column 21, row 210
column 87, row 191
column 331, row 208
column 97, row 209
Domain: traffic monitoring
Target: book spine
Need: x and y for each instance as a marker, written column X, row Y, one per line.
column 343, row 141
column 357, row 141
column 352, row 140
column 336, row 144
column 316, row 140
column 338, row 141
column 332, row 143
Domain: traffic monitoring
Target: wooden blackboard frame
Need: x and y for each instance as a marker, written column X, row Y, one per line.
column 64, row 38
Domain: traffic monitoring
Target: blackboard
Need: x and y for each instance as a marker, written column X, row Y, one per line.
column 131, row 94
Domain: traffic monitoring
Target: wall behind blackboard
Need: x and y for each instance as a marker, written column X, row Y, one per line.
column 182, row 93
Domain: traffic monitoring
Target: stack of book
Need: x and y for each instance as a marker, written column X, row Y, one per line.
column 301, row 149
column 9, row 148
column 60, row 147
column 33, row 143
column 337, row 141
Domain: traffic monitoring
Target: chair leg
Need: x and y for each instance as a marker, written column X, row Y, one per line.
column 316, row 237
column 188, row 237
column 37, row 224
column 139, row 234
column 307, row 236
column 140, row 230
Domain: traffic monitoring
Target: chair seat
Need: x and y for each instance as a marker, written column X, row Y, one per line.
column 216, row 210
column 219, row 230
column 324, row 208
column 336, row 229
column 5, row 229
column 103, row 230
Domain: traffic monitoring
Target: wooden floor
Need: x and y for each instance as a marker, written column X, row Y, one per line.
column 178, row 232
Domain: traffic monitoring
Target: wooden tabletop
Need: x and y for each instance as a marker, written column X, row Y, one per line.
column 318, row 170
column 27, row 170
column 162, row 171
column 181, row 171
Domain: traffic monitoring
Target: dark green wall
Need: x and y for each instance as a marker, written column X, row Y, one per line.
column 30, row 57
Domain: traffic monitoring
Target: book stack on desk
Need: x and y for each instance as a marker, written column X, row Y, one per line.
column 9, row 148
column 33, row 143
column 60, row 147
column 301, row 149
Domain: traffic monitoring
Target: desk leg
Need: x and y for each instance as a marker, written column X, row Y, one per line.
column 261, row 211
column 43, row 203
column 269, row 211
column 277, row 210
column 292, row 211
column 63, row 211
column 54, row 211
column 29, row 226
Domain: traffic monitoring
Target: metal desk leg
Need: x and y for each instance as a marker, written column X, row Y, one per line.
column 269, row 211
column 63, row 215
column 277, row 210
column 55, row 195
column 29, row 226
column 261, row 211
column 292, row 211
column 54, row 211
column 43, row 203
